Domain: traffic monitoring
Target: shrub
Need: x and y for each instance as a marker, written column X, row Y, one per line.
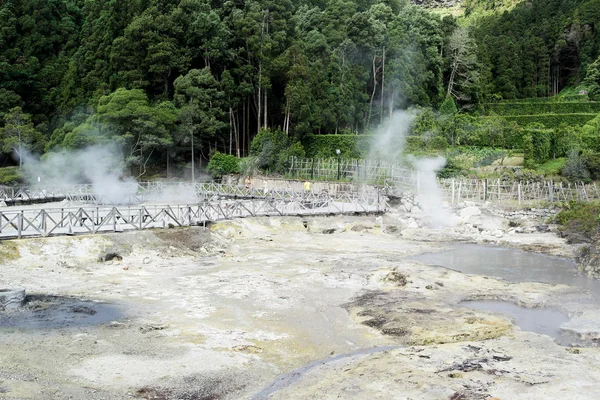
column 580, row 217
column 552, row 120
column 223, row 164
column 575, row 168
column 10, row 176
column 273, row 150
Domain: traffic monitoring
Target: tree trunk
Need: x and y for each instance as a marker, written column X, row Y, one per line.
column 372, row 93
column 258, row 114
column 391, row 103
column 265, row 124
column 244, row 127
column 230, row 132
column 193, row 166
column 382, row 85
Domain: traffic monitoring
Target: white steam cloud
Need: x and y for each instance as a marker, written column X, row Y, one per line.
column 388, row 145
column 388, row 142
column 430, row 195
column 100, row 166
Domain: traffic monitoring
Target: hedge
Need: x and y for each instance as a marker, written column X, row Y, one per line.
column 554, row 99
column 324, row 146
column 506, row 109
column 551, row 120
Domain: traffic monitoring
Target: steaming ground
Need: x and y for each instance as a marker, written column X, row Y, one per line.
column 220, row 314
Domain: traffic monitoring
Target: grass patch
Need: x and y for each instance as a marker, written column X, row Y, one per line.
column 552, row 167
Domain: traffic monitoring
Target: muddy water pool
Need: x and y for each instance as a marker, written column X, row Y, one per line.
column 511, row 265
column 520, row 266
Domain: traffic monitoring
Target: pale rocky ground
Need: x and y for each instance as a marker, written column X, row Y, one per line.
column 221, row 313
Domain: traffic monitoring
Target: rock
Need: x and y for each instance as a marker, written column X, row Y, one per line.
column 498, row 233
column 469, row 212
column 2, row 203
column 542, row 228
column 329, row 231
column 391, row 229
column 147, row 260
column 396, row 278
column 110, row 256
column 11, row 298
column 415, row 210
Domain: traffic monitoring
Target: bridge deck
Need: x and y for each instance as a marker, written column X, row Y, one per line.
column 32, row 221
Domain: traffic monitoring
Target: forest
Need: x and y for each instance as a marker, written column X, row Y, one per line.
column 162, row 77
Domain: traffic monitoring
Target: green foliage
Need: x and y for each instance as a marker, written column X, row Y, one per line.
column 522, row 108
column 580, row 217
column 552, row 167
column 325, row 146
column 592, row 163
column 451, row 169
column 18, row 134
column 592, row 79
column 528, row 152
column 551, row 120
column 576, row 169
column 223, row 164
column 307, row 67
column 127, row 117
column 10, row 176
column 274, row 150
column 448, row 106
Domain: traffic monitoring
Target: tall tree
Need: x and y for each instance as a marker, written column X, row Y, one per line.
column 200, row 98
column 18, row 134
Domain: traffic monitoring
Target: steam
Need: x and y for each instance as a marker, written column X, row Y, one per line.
column 388, row 145
column 100, row 166
column 430, row 195
column 388, row 142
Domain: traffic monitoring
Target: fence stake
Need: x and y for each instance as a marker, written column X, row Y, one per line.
column 485, row 188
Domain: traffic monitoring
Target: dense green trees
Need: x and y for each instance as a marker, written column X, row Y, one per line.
column 157, row 75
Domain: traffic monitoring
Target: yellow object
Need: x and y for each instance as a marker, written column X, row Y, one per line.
column 307, row 186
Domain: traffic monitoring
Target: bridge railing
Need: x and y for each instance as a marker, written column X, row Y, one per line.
column 31, row 222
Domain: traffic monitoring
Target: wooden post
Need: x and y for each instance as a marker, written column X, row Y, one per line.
column 498, row 189
column 20, row 224
column 520, row 195
column 485, row 188
column 453, row 182
column 551, row 191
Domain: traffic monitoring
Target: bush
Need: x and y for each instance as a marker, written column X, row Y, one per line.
column 274, row 149
column 551, row 120
column 575, row 169
column 451, row 169
column 592, row 163
column 580, row 217
column 528, row 152
column 10, row 176
column 223, row 164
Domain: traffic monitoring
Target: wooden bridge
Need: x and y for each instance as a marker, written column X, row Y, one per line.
column 31, row 221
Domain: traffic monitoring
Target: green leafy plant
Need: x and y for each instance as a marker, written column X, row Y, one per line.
column 223, row 164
